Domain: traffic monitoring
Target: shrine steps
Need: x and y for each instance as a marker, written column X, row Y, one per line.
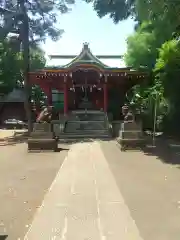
column 85, row 125
column 85, row 135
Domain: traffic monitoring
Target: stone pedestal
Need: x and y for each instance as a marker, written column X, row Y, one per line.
column 131, row 134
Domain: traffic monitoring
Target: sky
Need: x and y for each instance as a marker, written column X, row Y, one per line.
column 81, row 25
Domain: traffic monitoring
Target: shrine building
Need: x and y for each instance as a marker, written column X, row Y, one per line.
column 86, row 79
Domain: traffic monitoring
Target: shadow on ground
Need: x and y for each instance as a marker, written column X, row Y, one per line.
column 166, row 150
column 16, row 139
column 73, row 141
column 43, row 150
column 3, row 237
column 22, row 138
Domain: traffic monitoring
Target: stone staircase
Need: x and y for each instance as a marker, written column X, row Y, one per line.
column 86, row 125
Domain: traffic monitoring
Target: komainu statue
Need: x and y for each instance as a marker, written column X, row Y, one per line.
column 131, row 134
column 127, row 113
column 125, row 109
column 45, row 115
column 43, row 137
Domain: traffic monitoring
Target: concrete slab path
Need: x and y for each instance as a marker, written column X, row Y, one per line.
column 84, row 202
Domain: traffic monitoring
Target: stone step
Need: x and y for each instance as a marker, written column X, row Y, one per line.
column 75, row 136
column 87, row 131
column 72, row 126
column 84, row 135
column 76, row 129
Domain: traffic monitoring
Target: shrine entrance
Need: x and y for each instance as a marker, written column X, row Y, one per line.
column 86, row 85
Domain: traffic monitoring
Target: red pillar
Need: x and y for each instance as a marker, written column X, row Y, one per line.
column 65, row 96
column 49, row 96
column 105, row 95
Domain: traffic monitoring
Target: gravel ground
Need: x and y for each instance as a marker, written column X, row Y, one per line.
column 24, row 179
column 149, row 184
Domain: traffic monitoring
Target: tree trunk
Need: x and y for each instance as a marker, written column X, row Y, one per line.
column 25, row 44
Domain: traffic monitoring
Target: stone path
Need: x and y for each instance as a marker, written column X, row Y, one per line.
column 84, row 202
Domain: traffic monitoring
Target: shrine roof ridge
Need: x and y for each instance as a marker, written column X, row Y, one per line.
column 56, row 56
column 86, row 61
column 86, row 57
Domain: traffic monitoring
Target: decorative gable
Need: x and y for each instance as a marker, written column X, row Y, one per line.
column 86, row 57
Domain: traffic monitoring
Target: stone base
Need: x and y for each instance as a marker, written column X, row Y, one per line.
column 42, row 144
column 42, row 138
column 131, row 135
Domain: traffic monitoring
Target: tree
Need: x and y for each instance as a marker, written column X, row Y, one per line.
column 8, row 75
column 167, row 71
column 42, row 17
column 31, row 21
column 142, row 48
column 11, row 76
column 37, row 58
column 142, row 51
column 117, row 9
column 161, row 12
column 143, row 45
column 155, row 45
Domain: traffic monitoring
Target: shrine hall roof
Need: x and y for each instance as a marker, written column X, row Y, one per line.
column 85, row 58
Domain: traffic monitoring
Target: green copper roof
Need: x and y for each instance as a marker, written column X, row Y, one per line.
column 85, row 57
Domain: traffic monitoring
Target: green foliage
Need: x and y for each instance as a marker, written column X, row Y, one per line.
column 145, row 98
column 143, row 45
column 164, row 89
column 42, row 17
column 167, row 70
column 159, row 11
column 37, row 59
column 154, row 47
column 117, row 9
column 37, row 96
column 169, row 57
column 11, row 64
column 142, row 48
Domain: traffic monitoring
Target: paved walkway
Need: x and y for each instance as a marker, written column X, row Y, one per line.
column 84, row 202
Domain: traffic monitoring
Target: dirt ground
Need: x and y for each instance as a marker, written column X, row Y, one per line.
column 149, row 182
column 24, row 180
